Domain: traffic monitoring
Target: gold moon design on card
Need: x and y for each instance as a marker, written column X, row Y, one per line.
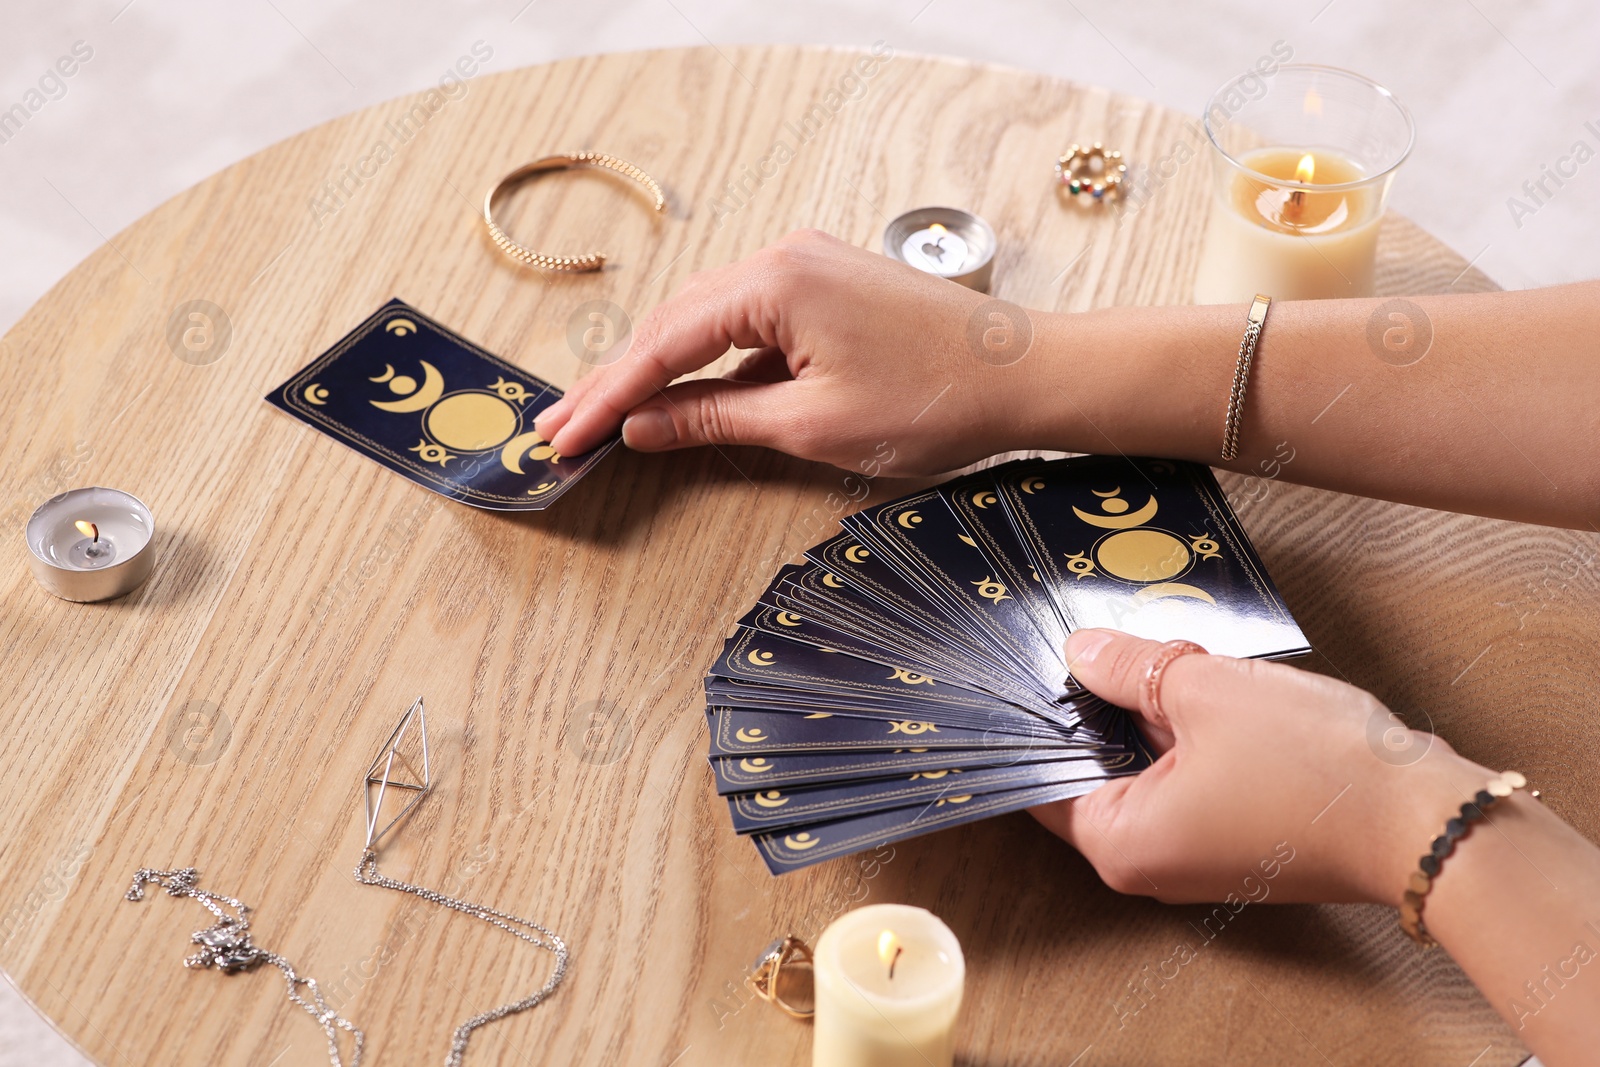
column 1031, row 484
column 1162, row 590
column 432, row 389
column 761, row 659
column 1143, row 555
column 388, row 372
column 967, row 540
column 771, row 799
column 821, row 715
column 909, row 519
column 802, row 841
column 542, row 488
column 316, row 394
column 400, row 327
column 529, row 444
column 983, row 498
column 788, row 618
column 831, row 582
column 953, row 800
column 751, row 736
column 856, row 554
column 1118, row 522
column 755, row 766
column 472, row 421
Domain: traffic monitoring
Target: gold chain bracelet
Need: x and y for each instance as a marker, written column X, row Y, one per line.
column 1241, row 375
column 561, row 161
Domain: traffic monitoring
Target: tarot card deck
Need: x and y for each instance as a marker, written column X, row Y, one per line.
column 432, row 406
column 910, row 675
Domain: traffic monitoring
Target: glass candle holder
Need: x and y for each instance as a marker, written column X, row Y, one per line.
column 91, row 544
column 1302, row 162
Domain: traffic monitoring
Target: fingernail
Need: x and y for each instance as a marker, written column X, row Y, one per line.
column 648, row 429
column 1084, row 645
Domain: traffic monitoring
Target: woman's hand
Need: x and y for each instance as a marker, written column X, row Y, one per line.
column 1271, row 781
column 850, row 351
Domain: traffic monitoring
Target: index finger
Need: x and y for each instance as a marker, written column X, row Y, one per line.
column 731, row 307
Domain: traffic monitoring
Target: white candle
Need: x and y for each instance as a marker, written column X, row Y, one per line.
column 1267, row 236
column 91, row 544
column 936, row 250
column 888, row 981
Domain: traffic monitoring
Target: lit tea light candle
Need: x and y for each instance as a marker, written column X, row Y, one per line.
column 935, row 250
column 1301, row 177
column 888, row 981
column 91, row 544
column 943, row 241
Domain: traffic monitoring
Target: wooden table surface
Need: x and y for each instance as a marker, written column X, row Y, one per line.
column 222, row 716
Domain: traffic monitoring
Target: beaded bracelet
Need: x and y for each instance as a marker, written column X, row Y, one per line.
column 1421, row 881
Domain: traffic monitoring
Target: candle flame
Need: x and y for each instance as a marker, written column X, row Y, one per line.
column 1306, row 169
column 88, row 529
column 889, row 949
column 936, row 227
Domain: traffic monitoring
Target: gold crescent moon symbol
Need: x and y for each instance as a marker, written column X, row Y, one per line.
column 755, row 766
column 983, row 498
column 388, row 372
column 542, row 488
column 316, row 394
column 1119, row 522
column 1162, row 590
column 967, row 540
column 788, row 618
column 802, row 841
column 953, row 800
column 771, row 799
column 831, row 582
column 1106, row 496
column 1030, row 484
column 821, row 715
column 909, row 519
column 400, row 327
column 856, row 554
column 530, row 443
column 751, row 736
column 432, row 389
column 760, row 658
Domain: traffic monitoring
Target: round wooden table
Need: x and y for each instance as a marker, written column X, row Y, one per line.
column 223, row 715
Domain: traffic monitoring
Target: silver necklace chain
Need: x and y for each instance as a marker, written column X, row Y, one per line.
column 227, row 946
column 542, row 937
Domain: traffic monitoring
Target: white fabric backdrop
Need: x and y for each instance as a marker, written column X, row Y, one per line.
column 173, row 90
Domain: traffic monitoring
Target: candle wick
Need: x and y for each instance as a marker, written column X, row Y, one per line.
column 897, row 951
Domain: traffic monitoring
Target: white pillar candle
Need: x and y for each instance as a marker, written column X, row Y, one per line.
column 888, row 980
column 1268, row 235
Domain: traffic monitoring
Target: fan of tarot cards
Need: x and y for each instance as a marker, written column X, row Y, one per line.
column 910, row 675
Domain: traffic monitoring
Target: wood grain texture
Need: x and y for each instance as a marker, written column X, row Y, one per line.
column 309, row 596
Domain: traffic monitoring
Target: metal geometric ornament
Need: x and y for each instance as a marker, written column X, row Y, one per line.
column 399, row 755
column 381, row 775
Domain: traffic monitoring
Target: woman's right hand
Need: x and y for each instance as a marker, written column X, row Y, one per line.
column 854, row 356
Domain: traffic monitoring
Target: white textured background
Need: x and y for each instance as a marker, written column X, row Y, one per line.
column 177, row 89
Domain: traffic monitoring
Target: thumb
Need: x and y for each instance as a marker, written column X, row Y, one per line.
column 1119, row 666
column 713, row 411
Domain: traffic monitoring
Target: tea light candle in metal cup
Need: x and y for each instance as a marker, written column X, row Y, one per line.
column 946, row 242
column 91, row 544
